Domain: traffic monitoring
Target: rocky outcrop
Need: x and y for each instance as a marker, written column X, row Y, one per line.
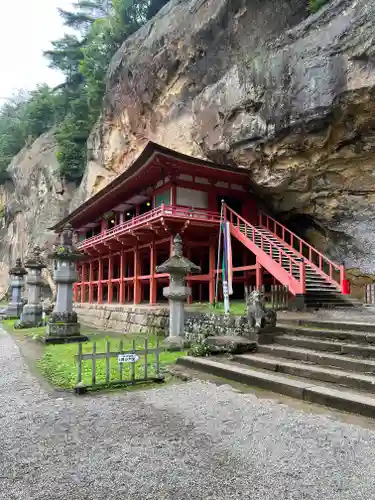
column 31, row 202
column 261, row 85
column 255, row 83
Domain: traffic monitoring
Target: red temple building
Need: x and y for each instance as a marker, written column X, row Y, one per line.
column 126, row 230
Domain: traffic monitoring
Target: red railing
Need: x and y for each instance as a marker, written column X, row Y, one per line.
column 170, row 211
column 273, row 251
column 335, row 273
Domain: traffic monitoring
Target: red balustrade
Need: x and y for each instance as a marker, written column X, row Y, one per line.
column 268, row 257
column 333, row 272
column 170, row 211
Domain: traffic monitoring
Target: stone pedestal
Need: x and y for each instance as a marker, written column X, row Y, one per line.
column 32, row 313
column 62, row 323
column 17, row 274
column 177, row 267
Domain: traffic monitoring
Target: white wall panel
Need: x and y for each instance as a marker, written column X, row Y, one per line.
column 192, row 198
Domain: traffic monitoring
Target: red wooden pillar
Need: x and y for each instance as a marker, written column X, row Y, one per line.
column 75, row 292
column 212, row 269
column 122, row 283
column 189, row 299
column 83, row 288
column 152, row 273
column 136, row 283
column 258, row 276
column 110, row 274
column 91, row 287
column 100, row 281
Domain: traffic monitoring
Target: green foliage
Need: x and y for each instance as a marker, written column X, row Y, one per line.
column 22, row 119
column 315, row 5
column 199, row 350
column 101, row 27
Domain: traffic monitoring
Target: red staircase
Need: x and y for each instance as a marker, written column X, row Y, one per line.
column 306, row 272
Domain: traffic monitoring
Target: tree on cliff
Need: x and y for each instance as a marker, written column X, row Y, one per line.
column 101, row 27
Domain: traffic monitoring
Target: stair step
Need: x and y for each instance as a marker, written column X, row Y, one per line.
column 289, row 385
column 314, row 372
column 320, row 358
column 326, row 345
column 305, row 331
column 335, row 325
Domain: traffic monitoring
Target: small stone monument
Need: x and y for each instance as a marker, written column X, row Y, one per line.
column 62, row 323
column 17, row 281
column 261, row 321
column 32, row 312
column 177, row 267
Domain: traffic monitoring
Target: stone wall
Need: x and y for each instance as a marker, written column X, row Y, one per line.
column 124, row 319
column 155, row 319
column 198, row 326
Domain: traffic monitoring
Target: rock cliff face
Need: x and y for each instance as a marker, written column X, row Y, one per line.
column 257, row 84
column 254, row 83
column 33, row 201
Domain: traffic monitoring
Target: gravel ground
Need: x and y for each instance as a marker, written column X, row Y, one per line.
column 188, row 441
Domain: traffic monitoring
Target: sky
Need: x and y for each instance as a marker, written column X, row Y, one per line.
column 26, row 29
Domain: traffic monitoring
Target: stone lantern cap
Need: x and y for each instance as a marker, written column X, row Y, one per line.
column 34, row 259
column 18, row 269
column 177, row 263
column 64, row 249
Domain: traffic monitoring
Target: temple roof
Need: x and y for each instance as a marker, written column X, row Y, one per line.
column 153, row 164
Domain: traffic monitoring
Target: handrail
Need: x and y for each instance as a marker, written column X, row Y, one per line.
column 312, row 252
column 299, row 263
column 135, row 222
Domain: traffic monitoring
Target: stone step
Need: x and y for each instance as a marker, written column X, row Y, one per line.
column 349, row 363
column 289, row 385
column 326, row 345
column 314, row 372
column 325, row 334
column 336, row 325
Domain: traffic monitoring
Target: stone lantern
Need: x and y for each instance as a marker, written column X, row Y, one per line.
column 17, row 281
column 32, row 312
column 63, row 323
column 178, row 267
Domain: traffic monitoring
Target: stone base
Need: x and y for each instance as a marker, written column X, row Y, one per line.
column 233, row 345
column 174, row 344
column 14, row 311
column 32, row 315
column 64, row 340
column 63, row 329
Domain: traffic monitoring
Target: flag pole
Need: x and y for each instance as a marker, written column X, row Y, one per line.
column 218, row 254
column 225, row 271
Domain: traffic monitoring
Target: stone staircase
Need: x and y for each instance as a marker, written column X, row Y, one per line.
column 315, row 281
column 320, row 292
column 323, row 362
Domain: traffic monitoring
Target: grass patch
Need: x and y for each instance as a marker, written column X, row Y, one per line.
column 237, row 308
column 58, row 365
column 22, row 332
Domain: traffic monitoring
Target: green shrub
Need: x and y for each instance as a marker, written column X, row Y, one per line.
column 315, row 5
column 199, row 350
